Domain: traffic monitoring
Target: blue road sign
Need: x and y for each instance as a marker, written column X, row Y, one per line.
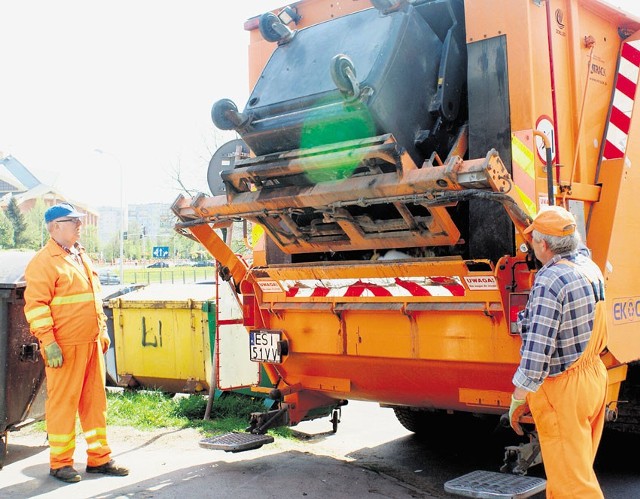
column 160, row 251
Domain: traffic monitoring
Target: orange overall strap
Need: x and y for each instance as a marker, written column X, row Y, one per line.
column 600, row 333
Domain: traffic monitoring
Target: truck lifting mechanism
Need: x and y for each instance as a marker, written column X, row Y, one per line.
column 389, row 157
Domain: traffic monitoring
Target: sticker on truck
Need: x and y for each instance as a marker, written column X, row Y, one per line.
column 269, row 286
column 626, row 310
column 476, row 283
column 374, row 287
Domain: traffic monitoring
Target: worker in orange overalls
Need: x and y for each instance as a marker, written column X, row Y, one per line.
column 561, row 378
column 64, row 310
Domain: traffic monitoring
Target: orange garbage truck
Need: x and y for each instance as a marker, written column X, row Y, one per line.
column 391, row 153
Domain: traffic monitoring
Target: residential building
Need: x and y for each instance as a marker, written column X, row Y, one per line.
column 152, row 220
column 16, row 181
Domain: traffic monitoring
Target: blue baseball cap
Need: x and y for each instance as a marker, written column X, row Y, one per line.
column 61, row 210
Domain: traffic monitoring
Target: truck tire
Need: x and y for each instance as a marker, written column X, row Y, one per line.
column 425, row 423
column 448, row 432
column 628, row 420
column 408, row 418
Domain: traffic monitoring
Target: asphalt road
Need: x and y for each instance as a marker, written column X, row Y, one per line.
column 371, row 455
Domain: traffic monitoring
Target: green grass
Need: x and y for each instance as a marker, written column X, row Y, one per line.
column 147, row 410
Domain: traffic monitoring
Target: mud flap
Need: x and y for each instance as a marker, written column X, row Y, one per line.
column 236, row 442
column 492, row 485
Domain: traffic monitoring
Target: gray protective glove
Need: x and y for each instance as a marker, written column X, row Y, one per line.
column 53, row 355
column 518, row 408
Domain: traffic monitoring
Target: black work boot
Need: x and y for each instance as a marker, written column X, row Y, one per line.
column 109, row 468
column 66, row 474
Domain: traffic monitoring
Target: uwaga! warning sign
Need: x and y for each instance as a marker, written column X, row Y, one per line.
column 481, row 282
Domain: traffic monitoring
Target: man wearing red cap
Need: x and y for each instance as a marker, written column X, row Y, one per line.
column 64, row 310
column 561, row 379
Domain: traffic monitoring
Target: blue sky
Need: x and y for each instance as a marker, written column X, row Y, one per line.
column 135, row 79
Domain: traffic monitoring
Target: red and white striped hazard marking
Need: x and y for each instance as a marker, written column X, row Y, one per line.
column 377, row 287
column 623, row 100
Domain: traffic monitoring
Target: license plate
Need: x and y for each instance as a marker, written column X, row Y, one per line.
column 263, row 346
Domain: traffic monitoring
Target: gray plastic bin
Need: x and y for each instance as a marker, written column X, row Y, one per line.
column 22, row 377
column 296, row 103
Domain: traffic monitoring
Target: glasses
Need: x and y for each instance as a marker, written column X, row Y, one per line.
column 76, row 221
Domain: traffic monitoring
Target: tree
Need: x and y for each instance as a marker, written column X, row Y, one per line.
column 17, row 219
column 90, row 241
column 6, row 232
column 183, row 247
column 193, row 179
column 36, row 233
column 132, row 246
column 111, row 249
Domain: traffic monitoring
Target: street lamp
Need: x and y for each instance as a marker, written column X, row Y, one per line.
column 123, row 210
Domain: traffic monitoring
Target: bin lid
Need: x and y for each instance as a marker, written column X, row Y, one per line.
column 110, row 291
column 174, row 295
column 12, row 265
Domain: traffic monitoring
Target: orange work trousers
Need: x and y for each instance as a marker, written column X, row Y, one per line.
column 77, row 388
column 569, row 412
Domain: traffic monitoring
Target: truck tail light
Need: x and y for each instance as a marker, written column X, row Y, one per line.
column 249, row 310
column 517, row 302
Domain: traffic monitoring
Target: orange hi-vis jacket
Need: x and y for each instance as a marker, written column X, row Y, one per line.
column 62, row 297
column 62, row 304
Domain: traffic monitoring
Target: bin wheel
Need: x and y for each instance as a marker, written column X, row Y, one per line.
column 386, row 6
column 221, row 112
column 343, row 74
column 266, row 27
column 3, row 448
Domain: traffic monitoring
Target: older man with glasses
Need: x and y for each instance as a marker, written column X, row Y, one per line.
column 64, row 310
column 561, row 378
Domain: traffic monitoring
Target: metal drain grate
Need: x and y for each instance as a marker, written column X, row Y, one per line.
column 493, row 485
column 236, row 442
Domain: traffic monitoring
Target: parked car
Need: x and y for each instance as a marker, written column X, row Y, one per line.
column 158, row 265
column 204, row 263
column 108, row 277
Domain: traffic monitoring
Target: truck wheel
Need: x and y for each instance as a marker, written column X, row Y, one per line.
column 415, row 421
column 427, row 424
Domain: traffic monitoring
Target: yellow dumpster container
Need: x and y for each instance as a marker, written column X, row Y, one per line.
column 163, row 336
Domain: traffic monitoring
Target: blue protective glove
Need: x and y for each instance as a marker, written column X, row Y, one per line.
column 53, row 355
column 517, row 409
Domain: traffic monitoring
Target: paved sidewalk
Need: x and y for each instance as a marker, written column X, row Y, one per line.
column 170, row 464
